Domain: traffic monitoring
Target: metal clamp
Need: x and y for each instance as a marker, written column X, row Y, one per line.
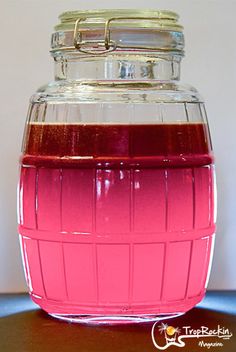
column 79, row 43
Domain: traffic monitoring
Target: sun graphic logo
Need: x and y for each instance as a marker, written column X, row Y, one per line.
column 169, row 331
column 170, row 334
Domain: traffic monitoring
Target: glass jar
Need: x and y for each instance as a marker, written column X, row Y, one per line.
column 116, row 192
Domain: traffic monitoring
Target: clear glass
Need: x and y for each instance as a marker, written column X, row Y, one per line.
column 116, row 192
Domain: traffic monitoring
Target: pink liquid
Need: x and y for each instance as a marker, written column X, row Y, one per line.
column 116, row 220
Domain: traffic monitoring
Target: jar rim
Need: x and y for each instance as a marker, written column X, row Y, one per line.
column 164, row 19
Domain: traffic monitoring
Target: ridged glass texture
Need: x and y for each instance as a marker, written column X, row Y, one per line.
column 116, row 208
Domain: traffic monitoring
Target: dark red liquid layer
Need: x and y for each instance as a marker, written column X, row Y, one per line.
column 161, row 144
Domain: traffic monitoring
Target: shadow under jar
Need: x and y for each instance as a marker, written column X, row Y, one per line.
column 116, row 191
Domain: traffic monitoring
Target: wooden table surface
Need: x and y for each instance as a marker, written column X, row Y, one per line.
column 26, row 328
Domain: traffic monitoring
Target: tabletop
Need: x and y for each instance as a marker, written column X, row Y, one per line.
column 211, row 326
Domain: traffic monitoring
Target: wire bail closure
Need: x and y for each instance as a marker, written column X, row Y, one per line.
column 108, row 44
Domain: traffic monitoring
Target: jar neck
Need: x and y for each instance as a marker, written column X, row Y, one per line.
column 119, row 66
